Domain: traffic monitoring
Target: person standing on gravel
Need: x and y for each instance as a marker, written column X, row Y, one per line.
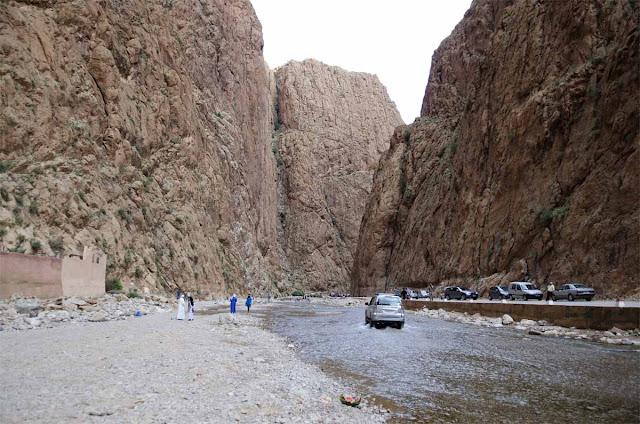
column 190, row 303
column 249, row 302
column 180, row 315
column 233, row 302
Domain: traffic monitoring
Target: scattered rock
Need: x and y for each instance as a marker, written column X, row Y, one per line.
column 29, row 307
column 534, row 332
column 507, row 320
column 98, row 317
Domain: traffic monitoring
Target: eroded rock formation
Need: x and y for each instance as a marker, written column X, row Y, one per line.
column 333, row 125
column 524, row 163
column 145, row 128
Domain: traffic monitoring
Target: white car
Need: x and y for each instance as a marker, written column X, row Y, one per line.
column 384, row 309
column 524, row 291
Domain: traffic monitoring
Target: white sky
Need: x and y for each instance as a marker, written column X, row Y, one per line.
column 393, row 39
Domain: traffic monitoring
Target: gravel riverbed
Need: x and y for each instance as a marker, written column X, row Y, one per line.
column 153, row 369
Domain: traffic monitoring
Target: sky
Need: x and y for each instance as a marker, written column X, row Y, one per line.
column 393, row 39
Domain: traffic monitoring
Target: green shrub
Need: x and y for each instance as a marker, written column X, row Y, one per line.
column 19, row 200
column 17, row 249
column 548, row 215
column 297, row 293
column 128, row 258
column 3, row 232
column 5, row 165
column 36, row 246
column 57, row 245
column 138, row 273
column 4, row 194
column 113, row 284
column 133, row 292
column 124, row 215
column 82, row 196
column 33, row 208
column 21, row 239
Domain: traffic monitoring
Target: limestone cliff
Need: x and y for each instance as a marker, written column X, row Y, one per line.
column 524, row 163
column 143, row 127
column 332, row 127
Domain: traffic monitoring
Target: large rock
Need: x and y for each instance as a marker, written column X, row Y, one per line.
column 29, row 307
column 332, row 127
column 524, row 163
column 145, row 128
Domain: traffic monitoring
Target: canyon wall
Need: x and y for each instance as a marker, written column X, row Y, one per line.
column 143, row 128
column 524, row 163
column 332, row 126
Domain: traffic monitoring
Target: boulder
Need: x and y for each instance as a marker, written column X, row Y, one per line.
column 99, row 316
column 29, row 307
column 507, row 320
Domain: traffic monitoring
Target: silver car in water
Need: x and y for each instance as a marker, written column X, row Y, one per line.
column 384, row 309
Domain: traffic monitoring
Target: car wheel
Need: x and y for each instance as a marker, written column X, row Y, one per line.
column 400, row 325
column 525, row 297
column 589, row 299
column 570, row 298
column 464, row 297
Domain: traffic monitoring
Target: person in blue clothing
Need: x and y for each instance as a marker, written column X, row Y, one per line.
column 233, row 301
column 249, row 302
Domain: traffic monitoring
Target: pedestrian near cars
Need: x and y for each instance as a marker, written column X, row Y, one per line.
column 232, row 303
column 249, row 302
column 550, row 289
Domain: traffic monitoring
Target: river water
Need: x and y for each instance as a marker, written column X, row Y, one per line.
column 439, row 371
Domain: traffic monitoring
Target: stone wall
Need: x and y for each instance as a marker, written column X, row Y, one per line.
column 578, row 316
column 84, row 276
column 48, row 277
column 29, row 275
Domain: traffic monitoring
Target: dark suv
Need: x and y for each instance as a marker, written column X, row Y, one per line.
column 462, row 293
column 499, row 292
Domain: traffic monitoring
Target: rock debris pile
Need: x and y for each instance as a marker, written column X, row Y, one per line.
column 538, row 328
column 29, row 313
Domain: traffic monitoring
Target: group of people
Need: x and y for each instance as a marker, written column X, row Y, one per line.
column 233, row 300
column 181, row 306
column 186, row 305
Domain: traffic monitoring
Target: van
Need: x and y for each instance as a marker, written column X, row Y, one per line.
column 524, row 291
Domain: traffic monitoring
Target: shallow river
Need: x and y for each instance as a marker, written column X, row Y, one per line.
column 439, row 371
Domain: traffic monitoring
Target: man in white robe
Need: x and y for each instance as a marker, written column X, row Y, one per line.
column 181, row 308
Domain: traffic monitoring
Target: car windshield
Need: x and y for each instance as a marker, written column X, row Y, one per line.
column 531, row 287
column 464, row 289
column 503, row 288
column 579, row 286
column 388, row 300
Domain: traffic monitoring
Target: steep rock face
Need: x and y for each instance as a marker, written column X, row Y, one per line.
column 142, row 127
column 524, row 163
column 333, row 125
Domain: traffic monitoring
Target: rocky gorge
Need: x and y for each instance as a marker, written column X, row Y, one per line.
column 157, row 132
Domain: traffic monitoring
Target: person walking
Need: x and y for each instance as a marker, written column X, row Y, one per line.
column 550, row 289
column 191, row 310
column 232, row 301
column 180, row 315
column 249, row 302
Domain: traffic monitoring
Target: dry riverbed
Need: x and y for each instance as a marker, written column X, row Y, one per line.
column 155, row 369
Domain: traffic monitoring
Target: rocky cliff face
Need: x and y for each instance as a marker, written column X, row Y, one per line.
column 524, row 163
column 332, row 128
column 145, row 128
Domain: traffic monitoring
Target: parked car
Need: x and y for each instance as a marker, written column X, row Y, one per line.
column 384, row 309
column 462, row 293
column 422, row 294
column 524, row 290
column 499, row 292
column 573, row 291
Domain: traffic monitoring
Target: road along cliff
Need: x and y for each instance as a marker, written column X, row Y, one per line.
column 524, row 162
